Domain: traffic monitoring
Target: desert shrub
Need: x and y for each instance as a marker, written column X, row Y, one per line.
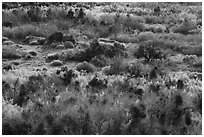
column 10, row 55
column 99, row 61
column 137, row 69
column 21, row 32
column 153, row 20
column 46, row 29
column 198, row 62
column 95, row 82
column 118, row 65
column 186, row 26
column 55, row 37
column 9, row 52
column 135, row 25
column 149, row 52
column 166, row 44
column 85, row 66
column 125, row 38
column 191, row 50
column 156, row 28
column 189, row 59
column 144, row 36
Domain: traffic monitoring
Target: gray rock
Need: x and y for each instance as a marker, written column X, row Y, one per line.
column 52, row 56
column 4, row 39
column 56, row 63
column 68, row 44
column 60, row 46
column 34, row 42
column 33, row 53
column 41, row 40
column 8, row 42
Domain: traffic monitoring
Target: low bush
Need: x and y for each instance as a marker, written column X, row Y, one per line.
column 100, row 61
column 185, row 27
column 118, row 65
column 149, row 52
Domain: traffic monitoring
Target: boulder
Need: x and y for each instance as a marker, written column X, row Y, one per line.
column 33, row 53
column 8, row 42
column 4, row 39
column 85, row 66
column 68, row 44
column 52, row 56
column 69, row 38
column 60, row 46
column 34, row 42
column 56, row 63
column 41, row 40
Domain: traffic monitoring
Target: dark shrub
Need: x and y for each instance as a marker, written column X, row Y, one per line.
column 178, row 100
column 99, row 61
column 98, row 83
column 149, row 52
column 180, row 84
column 55, row 37
column 6, row 129
column 70, row 38
column 67, row 77
column 7, row 24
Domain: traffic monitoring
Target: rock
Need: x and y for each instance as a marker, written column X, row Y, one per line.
column 8, row 67
column 60, row 46
column 8, row 42
column 56, row 63
column 27, row 57
column 52, row 56
column 54, row 45
column 28, row 38
column 33, row 53
column 34, row 42
column 69, row 38
column 85, row 66
column 16, row 63
column 5, row 39
column 68, row 44
column 41, row 40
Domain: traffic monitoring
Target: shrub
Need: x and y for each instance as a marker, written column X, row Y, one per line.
column 186, row 26
column 144, row 36
column 137, row 69
column 118, row 65
column 55, row 37
column 149, row 52
column 125, row 38
column 10, row 53
column 21, row 32
column 99, row 61
column 153, row 20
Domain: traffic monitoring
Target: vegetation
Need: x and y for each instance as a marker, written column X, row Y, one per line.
column 101, row 68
